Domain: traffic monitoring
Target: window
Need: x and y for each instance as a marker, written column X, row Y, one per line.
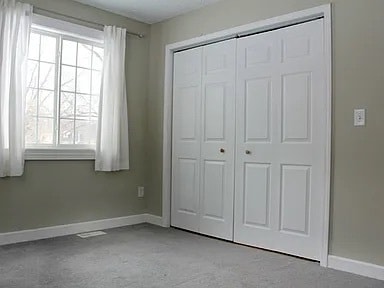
column 62, row 103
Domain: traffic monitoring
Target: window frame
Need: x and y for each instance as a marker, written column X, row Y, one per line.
column 62, row 30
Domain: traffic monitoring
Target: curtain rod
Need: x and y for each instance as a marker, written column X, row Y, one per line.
column 44, row 12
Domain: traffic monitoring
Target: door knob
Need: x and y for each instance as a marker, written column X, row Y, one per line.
column 222, row 150
column 248, row 152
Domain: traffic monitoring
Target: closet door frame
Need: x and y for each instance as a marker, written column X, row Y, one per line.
column 324, row 12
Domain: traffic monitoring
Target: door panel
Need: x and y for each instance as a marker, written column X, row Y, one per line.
column 187, row 113
column 280, row 146
column 295, row 195
column 186, row 140
column 258, row 53
column 257, row 205
column 214, row 112
column 217, row 145
column 214, row 175
column 258, row 110
column 186, row 198
column 297, row 118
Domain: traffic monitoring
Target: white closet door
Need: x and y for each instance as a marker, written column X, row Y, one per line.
column 280, row 168
column 186, row 139
column 218, row 139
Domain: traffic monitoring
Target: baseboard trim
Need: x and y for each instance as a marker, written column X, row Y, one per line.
column 70, row 229
column 153, row 219
column 334, row 262
column 356, row 267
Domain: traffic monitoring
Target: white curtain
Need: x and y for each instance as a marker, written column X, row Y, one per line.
column 112, row 149
column 15, row 23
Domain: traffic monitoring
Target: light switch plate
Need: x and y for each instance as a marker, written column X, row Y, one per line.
column 359, row 117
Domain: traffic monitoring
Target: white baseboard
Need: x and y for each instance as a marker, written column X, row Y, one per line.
column 356, row 267
column 70, row 229
column 153, row 219
column 335, row 262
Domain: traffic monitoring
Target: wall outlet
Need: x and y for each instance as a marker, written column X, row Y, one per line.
column 140, row 192
column 359, row 117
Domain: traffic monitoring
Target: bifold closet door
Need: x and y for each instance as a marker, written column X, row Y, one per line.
column 218, row 139
column 187, row 85
column 280, row 158
column 204, row 139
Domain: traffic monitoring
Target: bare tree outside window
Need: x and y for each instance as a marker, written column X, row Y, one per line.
column 64, row 79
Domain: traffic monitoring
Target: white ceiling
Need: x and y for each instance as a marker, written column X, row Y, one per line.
column 148, row 11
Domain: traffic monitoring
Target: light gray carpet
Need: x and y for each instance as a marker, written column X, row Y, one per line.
column 149, row 256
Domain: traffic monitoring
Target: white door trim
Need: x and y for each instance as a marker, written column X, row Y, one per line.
column 259, row 26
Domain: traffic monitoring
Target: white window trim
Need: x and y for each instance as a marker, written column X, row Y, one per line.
column 72, row 30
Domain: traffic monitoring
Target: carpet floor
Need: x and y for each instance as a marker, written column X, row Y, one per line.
column 148, row 256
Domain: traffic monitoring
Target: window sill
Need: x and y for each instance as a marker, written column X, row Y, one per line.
column 59, row 154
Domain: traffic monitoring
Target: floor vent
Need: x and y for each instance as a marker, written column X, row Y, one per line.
column 91, row 234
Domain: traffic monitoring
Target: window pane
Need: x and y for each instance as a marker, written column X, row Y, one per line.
column 48, row 49
column 66, row 131
column 83, row 81
column 93, row 131
column 68, row 76
column 80, row 81
column 84, row 56
column 94, row 106
column 31, row 102
column 86, row 132
column 96, row 82
column 34, row 44
column 82, row 132
column 46, row 103
column 32, row 74
column 69, row 52
column 83, row 106
column 98, row 55
column 67, row 105
column 47, row 76
column 45, row 128
column 30, row 130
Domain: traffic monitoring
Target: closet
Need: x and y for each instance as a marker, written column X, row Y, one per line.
column 249, row 139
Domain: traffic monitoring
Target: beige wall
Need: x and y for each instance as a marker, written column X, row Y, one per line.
column 63, row 192
column 357, row 211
